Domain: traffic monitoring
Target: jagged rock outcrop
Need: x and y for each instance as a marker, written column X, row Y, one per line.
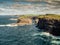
column 50, row 25
column 24, row 21
column 35, row 18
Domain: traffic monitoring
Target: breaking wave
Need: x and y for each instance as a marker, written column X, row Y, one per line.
column 12, row 19
column 42, row 33
column 9, row 25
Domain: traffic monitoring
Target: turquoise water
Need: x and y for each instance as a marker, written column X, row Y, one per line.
column 24, row 35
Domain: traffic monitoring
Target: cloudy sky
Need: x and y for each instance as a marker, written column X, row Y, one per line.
column 17, row 7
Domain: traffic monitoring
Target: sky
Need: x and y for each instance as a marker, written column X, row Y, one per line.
column 18, row 7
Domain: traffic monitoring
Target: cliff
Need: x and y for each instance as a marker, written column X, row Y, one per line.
column 24, row 21
column 50, row 23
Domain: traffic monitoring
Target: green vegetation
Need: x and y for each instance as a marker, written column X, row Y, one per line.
column 46, row 16
column 50, row 16
column 27, row 16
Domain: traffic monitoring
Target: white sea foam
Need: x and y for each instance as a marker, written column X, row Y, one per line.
column 56, row 42
column 9, row 25
column 45, row 33
column 35, row 34
column 42, row 33
column 12, row 19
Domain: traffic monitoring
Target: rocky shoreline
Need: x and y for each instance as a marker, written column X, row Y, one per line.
column 24, row 21
column 49, row 25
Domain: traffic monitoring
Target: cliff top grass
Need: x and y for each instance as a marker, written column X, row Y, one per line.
column 46, row 16
column 27, row 16
column 50, row 16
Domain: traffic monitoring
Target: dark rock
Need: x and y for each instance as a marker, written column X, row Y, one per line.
column 50, row 25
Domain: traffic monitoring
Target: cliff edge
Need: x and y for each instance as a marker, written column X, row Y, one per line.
column 50, row 23
column 24, row 21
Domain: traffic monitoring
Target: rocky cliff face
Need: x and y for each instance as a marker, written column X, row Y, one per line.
column 35, row 19
column 50, row 25
column 24, row 21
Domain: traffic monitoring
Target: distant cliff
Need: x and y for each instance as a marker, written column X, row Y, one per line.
column 50, row 23
column 24, row 20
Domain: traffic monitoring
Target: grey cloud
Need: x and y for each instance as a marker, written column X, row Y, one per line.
column 55, row 3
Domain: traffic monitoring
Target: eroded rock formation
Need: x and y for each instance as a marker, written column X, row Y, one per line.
column 50, row 25
column 24, row 21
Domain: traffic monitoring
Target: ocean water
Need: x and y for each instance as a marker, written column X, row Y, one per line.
column 24, row 35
